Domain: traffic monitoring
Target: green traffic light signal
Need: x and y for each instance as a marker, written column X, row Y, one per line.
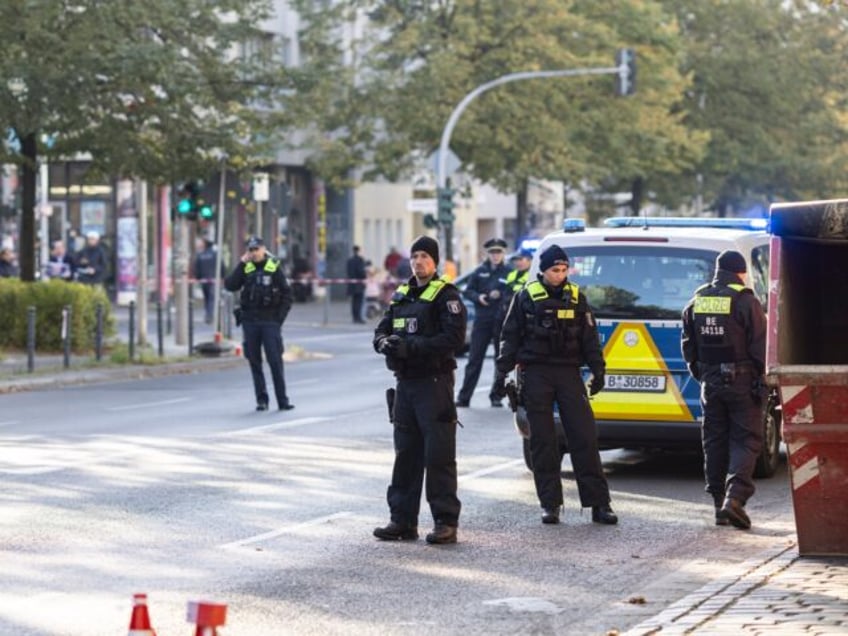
column 206, row 212
column 185, row 206
column 445, row 205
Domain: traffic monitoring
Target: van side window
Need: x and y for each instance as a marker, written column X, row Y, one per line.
column 759, row 272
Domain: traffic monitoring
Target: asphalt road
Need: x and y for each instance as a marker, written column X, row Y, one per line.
column 176, row 487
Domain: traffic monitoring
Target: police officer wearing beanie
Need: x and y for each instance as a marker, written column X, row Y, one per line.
column 550, row 333
column 265, row 301
column 419, row 333
column 724, row 344
column 487, row 289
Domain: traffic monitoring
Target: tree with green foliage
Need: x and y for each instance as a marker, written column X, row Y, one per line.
column 159, row 89
column 376, row 102
column 771, row 91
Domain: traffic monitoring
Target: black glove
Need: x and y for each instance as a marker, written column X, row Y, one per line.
column 385, row 345
column 499, row 389
column 596, row 384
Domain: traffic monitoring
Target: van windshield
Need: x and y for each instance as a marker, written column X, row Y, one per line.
column 630, row 281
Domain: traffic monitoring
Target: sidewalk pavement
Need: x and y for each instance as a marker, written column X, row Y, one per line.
column 777, row 592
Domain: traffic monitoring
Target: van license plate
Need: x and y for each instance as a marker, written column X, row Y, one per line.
column 637, row 383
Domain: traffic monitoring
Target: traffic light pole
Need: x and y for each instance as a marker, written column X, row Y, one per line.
column 219, row 227
column 441, row 173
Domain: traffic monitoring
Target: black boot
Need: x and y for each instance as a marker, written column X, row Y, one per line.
column 604, row 514
column 550, row 515
column 734, row 510
column 396, row 532
column 442, row 534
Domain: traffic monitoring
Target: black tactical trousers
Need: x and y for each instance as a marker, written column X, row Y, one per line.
column 485, row 331
column 544, row 385
column 732, row 436
column 267, row 336
column 425, row 450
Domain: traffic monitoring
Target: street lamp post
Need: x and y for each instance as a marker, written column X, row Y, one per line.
column 441, row 172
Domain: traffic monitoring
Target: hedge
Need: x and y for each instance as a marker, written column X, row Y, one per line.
column 49, row 298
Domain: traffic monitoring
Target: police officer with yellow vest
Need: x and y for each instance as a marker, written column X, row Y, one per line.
column 266, row 299
column 724, row 345
column 419, row 334
column 515, row 281
column 550, row 333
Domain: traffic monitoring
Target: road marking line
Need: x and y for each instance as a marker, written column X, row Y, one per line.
column 286, row 529
column 130, row 407
column 491, row 469
column 265, row 428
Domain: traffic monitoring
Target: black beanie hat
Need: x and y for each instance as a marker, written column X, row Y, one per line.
column 426, row 244
column 552, row 256
column 731, row 261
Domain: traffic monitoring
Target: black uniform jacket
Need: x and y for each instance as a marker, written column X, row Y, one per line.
column 483, row 281
column 736, row 334
column 265, row 292
column 555, row 328
column 431, row 320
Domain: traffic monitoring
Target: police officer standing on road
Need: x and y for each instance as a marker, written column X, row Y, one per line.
column 550, row 333
column 486, row 289
column 724, row 345
column 419, row 333
column 515, row 281
column 266, row 299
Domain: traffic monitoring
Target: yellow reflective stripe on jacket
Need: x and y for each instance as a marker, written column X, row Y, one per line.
column 736, row 286
column 538, row 292
column 712, row 305
column 270, row 266
column 430, row 292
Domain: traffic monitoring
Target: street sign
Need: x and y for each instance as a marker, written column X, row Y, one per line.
column 421, row 205
column 261, row 188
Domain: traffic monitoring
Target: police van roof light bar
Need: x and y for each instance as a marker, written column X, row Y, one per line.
column 685, row 221
column 574, row 225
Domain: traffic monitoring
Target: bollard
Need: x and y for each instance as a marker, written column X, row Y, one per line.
column 131, row 343
column 98, row 332
column 207, row 616
column 168, row 310
column 159, row 326
column 31, row 339
column 66, row 334
column 190, row 318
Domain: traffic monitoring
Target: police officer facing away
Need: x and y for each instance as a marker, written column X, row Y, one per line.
column 724, row 343
column 266, row 299
column 549, row 332
column 422, row 328
column 486, row 289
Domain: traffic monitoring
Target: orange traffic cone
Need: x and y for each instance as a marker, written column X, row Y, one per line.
column 140, row 619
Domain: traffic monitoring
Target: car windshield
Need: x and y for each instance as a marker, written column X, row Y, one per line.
column 630, row 281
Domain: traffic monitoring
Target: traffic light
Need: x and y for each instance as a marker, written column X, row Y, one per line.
column 445, row 206
column 625, row 80
column 187, row 206
column 205, row 211
column 430, row 221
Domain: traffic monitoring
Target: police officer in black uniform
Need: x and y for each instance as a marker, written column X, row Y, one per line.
column 487, row 289
column 550, row 333
column 266, row 299
column 724, row 345
column 419, row 335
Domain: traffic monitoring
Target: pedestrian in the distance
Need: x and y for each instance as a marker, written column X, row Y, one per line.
column 59, row 264
column 265, row 301
column 205, row 272
column 487, row 289
column 8, row 269
column 90, row 261
column 724, row 345
column 550, row 333
column 356, row 274
column 421, row 330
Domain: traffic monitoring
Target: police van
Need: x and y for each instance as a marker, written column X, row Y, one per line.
column 638, row 273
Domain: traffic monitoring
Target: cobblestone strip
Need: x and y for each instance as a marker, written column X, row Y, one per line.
column 693, row 610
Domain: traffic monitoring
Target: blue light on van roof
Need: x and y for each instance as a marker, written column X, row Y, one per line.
column 574, row 225
column 530, row 244
column 686, row 221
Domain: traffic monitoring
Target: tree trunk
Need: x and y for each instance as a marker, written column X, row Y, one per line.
column 636, row 195
column 26, row 248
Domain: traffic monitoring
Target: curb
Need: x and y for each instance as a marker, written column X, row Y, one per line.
column 704, row 604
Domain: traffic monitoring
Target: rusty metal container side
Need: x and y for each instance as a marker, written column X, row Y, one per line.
column 807, row 358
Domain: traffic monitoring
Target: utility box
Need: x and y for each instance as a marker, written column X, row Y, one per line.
column 807, row 358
